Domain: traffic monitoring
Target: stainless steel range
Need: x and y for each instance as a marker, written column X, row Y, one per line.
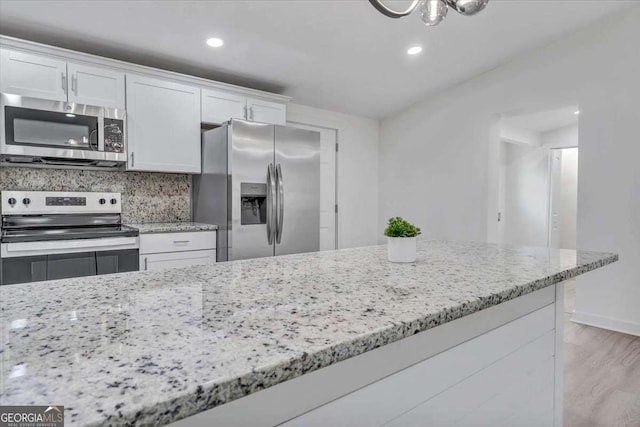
column 58, row 235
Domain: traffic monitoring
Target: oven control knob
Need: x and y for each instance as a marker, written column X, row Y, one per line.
column 102, row 201
column 114, row 201
column 26, row 201
column 12, row 201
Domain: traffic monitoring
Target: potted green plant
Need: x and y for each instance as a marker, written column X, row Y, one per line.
column 401, row 242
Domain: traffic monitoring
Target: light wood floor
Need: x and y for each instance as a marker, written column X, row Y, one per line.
column 602, row 374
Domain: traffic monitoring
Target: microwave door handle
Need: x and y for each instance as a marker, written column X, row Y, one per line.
column 89, row 140
column 100, row 133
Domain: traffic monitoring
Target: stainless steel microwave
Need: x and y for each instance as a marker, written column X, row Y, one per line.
column 39, row 132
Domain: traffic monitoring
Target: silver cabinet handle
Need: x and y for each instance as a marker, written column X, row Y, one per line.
column 251, row 112
column 280, row 203
column 271, row 197
column 180, row 242
column 132, row 161
column 64, row 81
column 74, row 83
column 146, row 263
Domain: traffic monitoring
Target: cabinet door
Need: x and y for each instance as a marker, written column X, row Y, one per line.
column 219, row 106
column 95, row 86
column 163, row 122
column 267, row 112
column 176, row 259
column 33, row 75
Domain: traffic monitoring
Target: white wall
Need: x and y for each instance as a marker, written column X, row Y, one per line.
column 358, row 138
column 564, row 137
column 439, row 161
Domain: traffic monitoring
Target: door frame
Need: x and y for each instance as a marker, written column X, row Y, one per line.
column 336, row 159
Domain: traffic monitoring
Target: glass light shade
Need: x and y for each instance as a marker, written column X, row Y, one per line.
column 467, row 7
column 432, row 12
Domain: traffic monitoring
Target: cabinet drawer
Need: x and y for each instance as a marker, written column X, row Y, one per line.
column 176, row 259
column 177, row 242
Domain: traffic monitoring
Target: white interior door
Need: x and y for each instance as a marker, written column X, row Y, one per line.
column 328, row 218
column 555, row 198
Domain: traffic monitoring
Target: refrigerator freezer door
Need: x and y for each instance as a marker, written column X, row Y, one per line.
column 298, row 183
column 251, row 152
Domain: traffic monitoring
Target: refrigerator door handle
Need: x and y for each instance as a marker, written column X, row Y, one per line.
column 271, row 198
column 280, row 203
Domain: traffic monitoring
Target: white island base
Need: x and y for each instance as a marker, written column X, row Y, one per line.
column 501, row 366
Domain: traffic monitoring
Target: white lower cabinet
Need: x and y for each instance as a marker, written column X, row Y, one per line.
column 168, row 250
column 177, row 259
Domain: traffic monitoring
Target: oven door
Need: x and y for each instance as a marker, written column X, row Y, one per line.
column 23, row 262
column 64, row 266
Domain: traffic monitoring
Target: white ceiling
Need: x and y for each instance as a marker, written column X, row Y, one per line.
column 334, row 54
column 544, row 121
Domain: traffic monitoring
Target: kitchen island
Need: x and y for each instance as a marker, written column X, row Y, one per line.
column 302, row 339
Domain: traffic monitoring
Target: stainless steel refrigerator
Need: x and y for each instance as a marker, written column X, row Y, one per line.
column 261, row 184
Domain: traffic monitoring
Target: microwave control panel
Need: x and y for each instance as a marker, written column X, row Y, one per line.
column 114, row 135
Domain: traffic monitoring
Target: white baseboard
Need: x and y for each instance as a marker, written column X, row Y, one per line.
column 604, row 322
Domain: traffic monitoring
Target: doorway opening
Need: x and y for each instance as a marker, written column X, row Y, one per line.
column 538, row 178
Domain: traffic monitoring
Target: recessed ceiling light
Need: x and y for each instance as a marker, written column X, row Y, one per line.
column 576, row 112
column 215, row 42
column 414, row 50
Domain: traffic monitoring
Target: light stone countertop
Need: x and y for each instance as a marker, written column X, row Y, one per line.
column 172, row 227
column 153, row 347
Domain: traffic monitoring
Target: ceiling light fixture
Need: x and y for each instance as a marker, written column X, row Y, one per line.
column 414, row 50
column 215, row 42
column 576, row 112
column 432, row 12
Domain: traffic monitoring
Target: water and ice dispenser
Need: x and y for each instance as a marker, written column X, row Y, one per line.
column 253, row 203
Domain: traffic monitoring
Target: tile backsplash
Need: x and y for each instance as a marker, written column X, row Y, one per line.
column 146, row 197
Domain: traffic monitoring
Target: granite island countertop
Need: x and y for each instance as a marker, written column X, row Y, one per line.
column 172, row 227
column 153, row 347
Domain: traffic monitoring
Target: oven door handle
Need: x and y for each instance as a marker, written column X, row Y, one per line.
column 68, row 246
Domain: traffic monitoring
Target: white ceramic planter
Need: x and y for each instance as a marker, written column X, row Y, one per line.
column 401, row 249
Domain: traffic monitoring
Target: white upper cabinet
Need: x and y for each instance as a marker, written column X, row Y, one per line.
column 95, row 86
column 42, row 77
column 219, row 106
column 163, row 123
column 33, row 76
column 266, row 111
